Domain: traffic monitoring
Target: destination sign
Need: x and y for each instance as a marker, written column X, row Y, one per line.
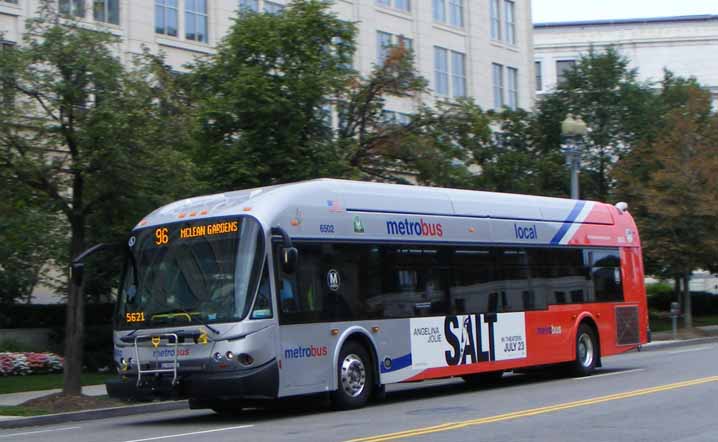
column 219, row 228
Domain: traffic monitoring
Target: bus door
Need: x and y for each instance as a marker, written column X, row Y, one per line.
column 306, row 343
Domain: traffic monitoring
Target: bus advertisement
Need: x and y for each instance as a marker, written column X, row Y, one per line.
column 341, row 287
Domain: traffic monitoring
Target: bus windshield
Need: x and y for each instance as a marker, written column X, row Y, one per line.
column 194, row 272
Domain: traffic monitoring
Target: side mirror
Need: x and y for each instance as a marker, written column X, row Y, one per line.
column 290, row 256
column 78, row 271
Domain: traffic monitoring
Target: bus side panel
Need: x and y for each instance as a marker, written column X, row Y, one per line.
column 305, row 358
column 634, row 288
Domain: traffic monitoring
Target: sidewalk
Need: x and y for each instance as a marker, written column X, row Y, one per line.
column 12, row 399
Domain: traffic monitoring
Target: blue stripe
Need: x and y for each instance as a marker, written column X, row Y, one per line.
column 567, row 224
column 397, row 364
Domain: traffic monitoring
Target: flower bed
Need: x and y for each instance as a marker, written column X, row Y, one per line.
column 21, row 364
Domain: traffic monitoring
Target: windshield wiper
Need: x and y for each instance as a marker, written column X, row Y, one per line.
column 189, row 315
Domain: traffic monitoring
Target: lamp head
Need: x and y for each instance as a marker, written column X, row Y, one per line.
column 573, row 127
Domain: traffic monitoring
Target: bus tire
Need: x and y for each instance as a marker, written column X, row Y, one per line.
column 483, row 379
column 586, row 351
column 354, row 377
column 379, row 393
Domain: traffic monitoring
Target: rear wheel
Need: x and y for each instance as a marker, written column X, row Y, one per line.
column 586, row 351
column 354, row 377
column 483, row 379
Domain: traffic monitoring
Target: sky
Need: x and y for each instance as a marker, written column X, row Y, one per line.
column 572, row 10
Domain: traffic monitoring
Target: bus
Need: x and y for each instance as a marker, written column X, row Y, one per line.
column 341, row 287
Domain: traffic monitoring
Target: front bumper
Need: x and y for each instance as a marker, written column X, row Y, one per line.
column 255, row 383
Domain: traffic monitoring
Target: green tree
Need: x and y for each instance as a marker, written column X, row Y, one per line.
column 87, row 134
column 620, row 112
column 29, row 235
column 672, row 185
column 367, row 145
column 263, row 99
column 518, row 160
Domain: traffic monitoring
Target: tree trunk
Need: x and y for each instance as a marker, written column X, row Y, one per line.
column 75, row 319
column 677, row 290
column 688, row 311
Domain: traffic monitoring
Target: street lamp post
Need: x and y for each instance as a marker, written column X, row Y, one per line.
column 572, row 132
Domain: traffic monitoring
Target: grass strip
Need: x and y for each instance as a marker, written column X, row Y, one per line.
column 36, row 382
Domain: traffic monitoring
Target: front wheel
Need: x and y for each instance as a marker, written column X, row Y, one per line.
column 354, row 377
column 586, row 351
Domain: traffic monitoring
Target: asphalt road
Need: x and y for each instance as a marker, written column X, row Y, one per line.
column 667, row 395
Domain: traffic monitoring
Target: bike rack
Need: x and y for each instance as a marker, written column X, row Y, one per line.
column 174, row 345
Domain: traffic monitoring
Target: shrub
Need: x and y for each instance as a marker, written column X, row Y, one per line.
column 21, row 364
column 703, row 304
column 10, row 346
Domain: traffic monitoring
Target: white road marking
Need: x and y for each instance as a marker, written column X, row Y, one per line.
column 704, row 347
column 190, row 434
column 38, row 432
column 609, row 374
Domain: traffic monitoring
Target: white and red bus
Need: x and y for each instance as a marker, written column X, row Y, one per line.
column 342, row 287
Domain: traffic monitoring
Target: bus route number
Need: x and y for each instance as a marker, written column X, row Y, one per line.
column 162, row 236
column 326, row 228
column 135, row 317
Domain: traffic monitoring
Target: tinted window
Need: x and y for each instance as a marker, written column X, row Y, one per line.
column 606, row 274
column 375, row 281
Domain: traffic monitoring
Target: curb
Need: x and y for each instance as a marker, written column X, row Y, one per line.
column 101, row 413
column 658, row 345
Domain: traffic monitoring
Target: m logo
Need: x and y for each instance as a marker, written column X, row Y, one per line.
column 358, row 226
column 155, row 341
column 333, row 280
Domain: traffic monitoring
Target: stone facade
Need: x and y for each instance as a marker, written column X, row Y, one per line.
column 462, row 27
column 685, row 45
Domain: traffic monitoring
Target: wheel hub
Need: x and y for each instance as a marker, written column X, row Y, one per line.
column 353, row 375
column 585, row 350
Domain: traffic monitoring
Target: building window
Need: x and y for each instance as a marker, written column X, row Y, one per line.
column 385, row 40
column 273, row 8
column 107, row 11
column 539, row 76
column 196, row 20
column 512, row 77
column 73, row 7
column 450, row 79
column 441, row 71
column 403, row 5
column 458, row 74
column 249, row 5
column 166, row 17
column 495, row 20
column 439, row 11
column 498, row 82
column 563, row 66
column 456, row 13
column 383, row 43
column 453, row 16
column 509, row 22
column 391, row 117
